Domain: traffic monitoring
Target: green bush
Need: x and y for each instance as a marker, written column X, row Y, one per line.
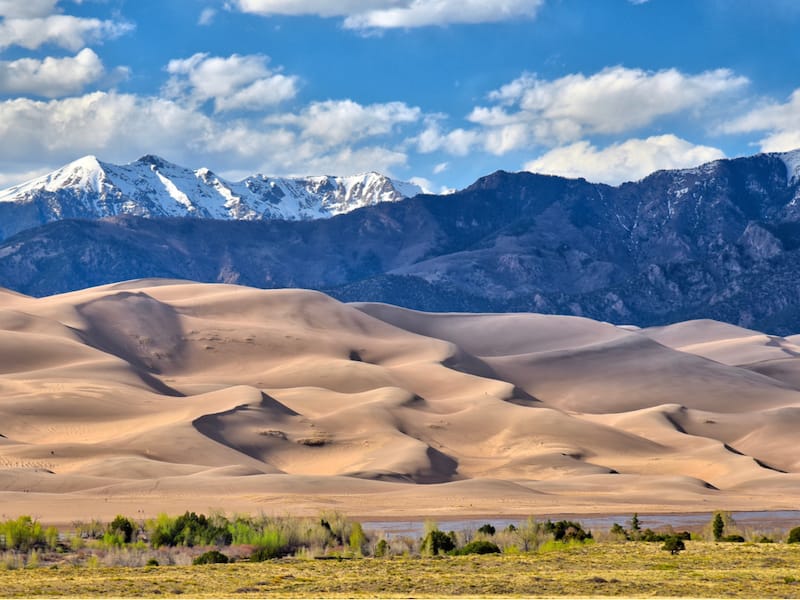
column 437, row 541
column 478, row 547
column 151, row 562
column 212, row 557
column 265, row 553
column 674, row 545
column 794, row 536
column 357, row 538
column 718, row 526
column 22, row 534
column 566, row 531
column 188, row 529
column 487, row 529
column 732, row 538
column 123, row 528
column 381, row 549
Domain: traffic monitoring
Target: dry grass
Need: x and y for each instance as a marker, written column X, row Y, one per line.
column 624, row 569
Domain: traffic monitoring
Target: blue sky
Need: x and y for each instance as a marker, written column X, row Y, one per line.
column 436, row 91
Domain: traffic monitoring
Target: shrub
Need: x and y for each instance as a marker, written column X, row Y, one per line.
column 265, row 553
column 151, row 562
column 22, row 534
column 566, row 531
column 211, row 557
column 357, row 538
column 619, row 532
column 188, row 529
column 122, row 527
column 794, row 536
column 437, row 541
column 51, row 537
column 732, row 538
column 381, row 549
column 487, row 529
column 674, row 545
column 717, row 526
column 478, row 547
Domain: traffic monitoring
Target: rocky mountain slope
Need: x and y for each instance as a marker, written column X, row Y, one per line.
column 719, row 241
column 153, row 187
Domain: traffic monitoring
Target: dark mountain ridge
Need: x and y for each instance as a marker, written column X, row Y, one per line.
column 718, row 241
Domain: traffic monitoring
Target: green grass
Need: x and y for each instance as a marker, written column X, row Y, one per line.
column 603, row 569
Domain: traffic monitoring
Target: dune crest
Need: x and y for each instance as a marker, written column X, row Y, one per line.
column 159, row 395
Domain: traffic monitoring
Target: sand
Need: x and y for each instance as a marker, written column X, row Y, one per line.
column 161, row 396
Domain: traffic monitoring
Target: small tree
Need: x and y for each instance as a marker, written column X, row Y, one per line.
column 123, row 527
column 674, row 545
column 357, row 538
column 619, row 532
column 437, row 541
column 487, row 529
column 718, row 526
column 794, row 536
column 636, row 526
column 381, row 549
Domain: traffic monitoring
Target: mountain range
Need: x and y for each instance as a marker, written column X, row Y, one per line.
column 718, row 241
column 153, row 187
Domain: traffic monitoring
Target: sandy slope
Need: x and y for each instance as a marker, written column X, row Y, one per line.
column 163, row 395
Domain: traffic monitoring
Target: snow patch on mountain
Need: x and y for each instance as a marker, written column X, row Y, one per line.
column 154, row 187
column 792, row 162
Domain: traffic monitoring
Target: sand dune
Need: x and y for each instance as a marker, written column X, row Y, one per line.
column 159, row 395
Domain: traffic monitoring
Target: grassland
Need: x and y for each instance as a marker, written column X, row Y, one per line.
column 632, row 569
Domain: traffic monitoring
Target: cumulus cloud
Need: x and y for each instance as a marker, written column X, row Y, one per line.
column 780, row 121
column 50, row 77
column 27, row 9
column 458, row 142
column 120, row 127
column 625, row 161
column 65, row 31
column 339, row 121
column 232, row 83
column 421, row 13
column 381, row 14
column 530, row 110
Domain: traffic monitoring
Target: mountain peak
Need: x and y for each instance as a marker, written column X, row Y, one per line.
column 154, row 187
column 792, row 161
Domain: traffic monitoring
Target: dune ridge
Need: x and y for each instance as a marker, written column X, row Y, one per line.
column 161, row 395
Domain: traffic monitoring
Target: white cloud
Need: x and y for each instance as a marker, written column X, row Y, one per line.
column 440, row 168
column 207, row 16
column 360, row 14
column 458, row 142
column 530, row 111
column 780, row 121
column 341, row 121
column 101, row 123
column 26, row 9
column 421, row 13
column 322, row 8
column 50, row 77
column 233, row 83
column 66, row 31
column 120, row 127
column 626, row 161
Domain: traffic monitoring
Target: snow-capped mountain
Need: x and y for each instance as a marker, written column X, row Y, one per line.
column 153, row 187
column 720, row 241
